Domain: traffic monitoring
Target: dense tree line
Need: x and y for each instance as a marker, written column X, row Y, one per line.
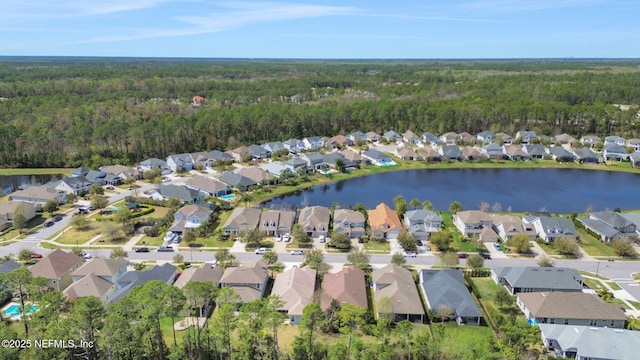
column 93, row 111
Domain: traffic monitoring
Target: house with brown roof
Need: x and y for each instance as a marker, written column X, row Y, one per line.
column 108, row 269
column 429, row 154
column 91, row 285
column 337, row 142
column 384, row 222
column 123, row 172
column 407, row 153
column 295, row 287
column 276, row 222
column 241, row 220
column 207, row 186
column 189, row 217
column 373, row 136
column 570, row 308
column 347, row 286
column 249, row 280
column 471, row 223
column 239, row 153
column 39, row 195
column 353, row 157
column 57, row 267
column 396, row 295
column 410, row 137
column 9, row 209
column 565, row 138
column 256, row 174
column 349, row 222
column 515, row 152
column 205, row 273
column 315, row 220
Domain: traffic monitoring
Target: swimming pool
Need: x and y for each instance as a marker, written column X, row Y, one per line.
column 13, row 310
column 228, row 197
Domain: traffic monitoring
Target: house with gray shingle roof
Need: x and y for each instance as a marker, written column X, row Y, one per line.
column 551, row 228
column 535, row 151
column 486, row 137
column 587, row 342
column 614, row 139
column 451, row 152
column 446, row 288
column 276, row 222
column 295, row 163
column 217, row 156
column 258, row 152
column 560, row 154
column 609, row 225
column 314, row 160
column 537, row 279
column 493, row 150
column 429, row 138
column 182, row 193
column 275, row 168
column 421, row 223
column 294, row 145
column 249, row 280
column 71, row 185
column 315, row 220
column 526, row 136
column 242, row 219
column 349, row 222
column 238, row 181
column 634, row 158
column 180, row 162
column 38, row 195
column 615, row 152
column 358, row 136
column 378, row 158
column 207, row 186
column 313, row 143
column 589, row 140
column 154, row 163
column 570, row 308
column 166, row 273
column 392, row 136
column 275, row 146
column 190, row 217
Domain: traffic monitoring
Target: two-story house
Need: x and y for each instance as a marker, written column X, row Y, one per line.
column 180, row 162
column 276, row 222
column 241, row 220
column 422, row 223
column 249, row 280
column 56, row 267
column 384, row 222
column 315, row 220
column 190, row 217
column 349, row 222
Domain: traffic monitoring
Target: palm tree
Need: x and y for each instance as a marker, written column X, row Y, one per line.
column 427, row 205
column 455, row 206
column 415, row 202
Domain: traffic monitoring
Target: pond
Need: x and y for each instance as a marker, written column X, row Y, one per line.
column 520, row 190
column 9, row 183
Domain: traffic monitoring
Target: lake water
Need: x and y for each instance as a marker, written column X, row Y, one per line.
column 556, row 190
column 10, row 183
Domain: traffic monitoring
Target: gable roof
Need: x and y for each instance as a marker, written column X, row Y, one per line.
column 101, row 267
column 165, row 272
column 570, row 305
column 243, row 218
column 594, row 342
column 556, row 278
column 557, row 225
column 209, row 185
column 36, row 192
column 55, row 264
column 346, row 286
column 202, row 273
column 382, row 218
column 295, row 287
column 89, row 285
column 247, row 273
column 421, row 214
column 375, row 155
column 233, row 179
column 400, row 289
column 315, row 217
column 446, row 287
column 8, row 266
column 256, row 174
column 178, row 192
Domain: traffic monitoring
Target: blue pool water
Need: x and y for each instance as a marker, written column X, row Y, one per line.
column 14, row 310
column 228, row 197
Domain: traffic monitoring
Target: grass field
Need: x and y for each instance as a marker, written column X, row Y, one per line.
column 35, row 171
column 74, row 236
column 377, row 246
column 593, row 246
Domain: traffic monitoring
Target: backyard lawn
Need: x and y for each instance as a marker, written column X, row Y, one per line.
column 593, row 246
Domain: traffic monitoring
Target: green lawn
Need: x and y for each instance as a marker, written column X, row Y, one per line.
column 35, row 171
column 613, row 285
column 151, row 241
column 74, row 236
column 593, row 246
column 593, row 284
column 467, row 342
column 377, row 246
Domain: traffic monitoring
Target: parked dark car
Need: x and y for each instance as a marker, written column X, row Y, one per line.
column 486, row 256
column 57, row 218
column 142, row 249
column 462, row 255
column 48, row 224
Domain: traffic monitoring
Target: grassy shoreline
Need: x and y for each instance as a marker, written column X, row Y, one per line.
column 34, row 171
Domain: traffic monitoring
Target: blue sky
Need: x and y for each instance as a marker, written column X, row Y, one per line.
column 322, row 29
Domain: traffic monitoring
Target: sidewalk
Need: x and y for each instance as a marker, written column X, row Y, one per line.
column 622, row 295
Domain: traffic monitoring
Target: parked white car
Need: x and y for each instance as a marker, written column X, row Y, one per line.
column 261, row 251
column 297, row 252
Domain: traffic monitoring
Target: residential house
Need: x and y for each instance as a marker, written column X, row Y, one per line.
column 217, row 156
column 295, row 287
column 314, row 160
column 78, row 186
column 296, row 164
column 373, row 137
column 153, row 164
column 276, row 222
column 470, row 223
column 407, row 153
column 313, row 143
column 449, row 138
column 349, row 222
column 471, row 153
column 200, row 159
column 430, row 139
column 451, row 152
column 207, row 186
column 586, row 156
column 486, row 137
column 421, row 223
column 429, row 154
column 515, row 152
column 589, row 140
column 315, row 220
column 274, row 147
column 107, row 269
column 537, row 279
column 549, row 229
column 9, row 209
column 166, row 273
column 634, row 144
column 634, row 158
column 57, row 267
column 204, row 273
column 238, row 181
column 615, row 152
column 353, row 157
column 241, row 220
column 256, row 174
column 588, row 342
column 332, row 161
column 91, row 285
column 566, row 139
column 609, row 225
column 535, row 151
column 337, row 141
column 526, row 137
column 347, row 286
column 8, row 266
column 410, row 137
column 504, row 139
column 249, row 280
column 570, row 308
column 493, row 150
column 466, row 138
column 510, row 226
column 384, row 222
column 180, row 162
column 395, row 294
column 258, row 152
column 39, row 195
column 182, row 193
column 123, row 172
column 294, row 146
column 445, row 289
column 190, row 217
column 378, row 158
column 239, row 154
column 275, row 168
column 617, row 140
column 392, row 136
column 359, row 136
column 560, row 154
